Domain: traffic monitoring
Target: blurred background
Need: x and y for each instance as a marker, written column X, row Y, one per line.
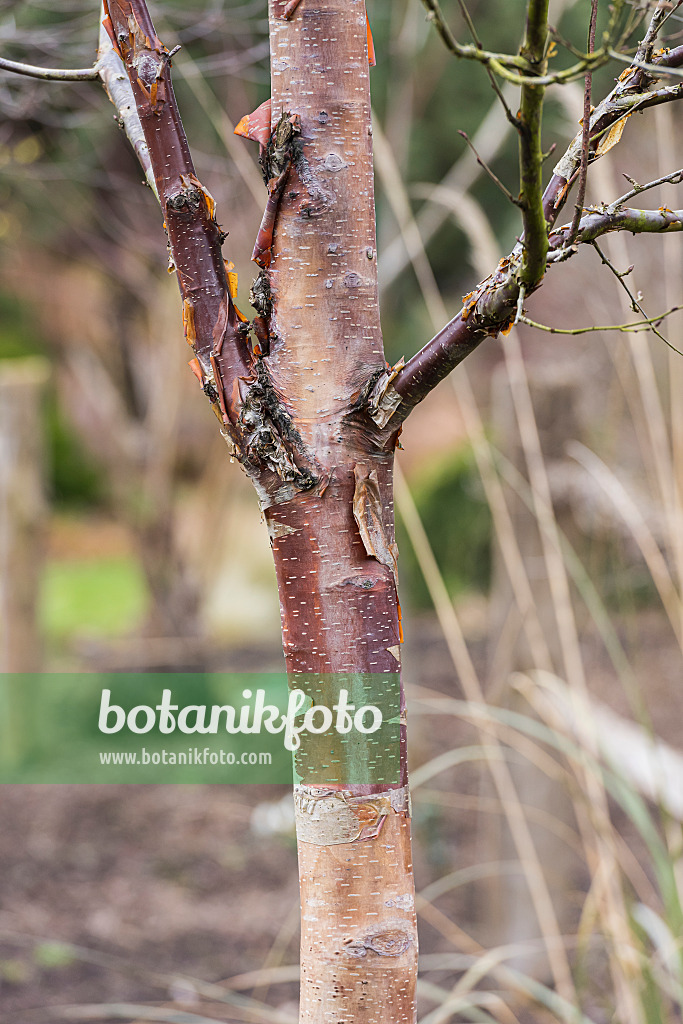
column 539, row 525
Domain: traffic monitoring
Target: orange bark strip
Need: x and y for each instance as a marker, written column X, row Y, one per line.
column 290, row 8
column 196, row 369
column 264, row 239
column 256, row 126
column 371, row 45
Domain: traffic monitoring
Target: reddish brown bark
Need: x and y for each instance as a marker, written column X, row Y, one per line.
column 333, row 554
column 194, row 235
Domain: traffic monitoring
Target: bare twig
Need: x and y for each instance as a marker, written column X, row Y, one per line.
column 492, row 78
column 675, row 178
column 494, row 177
column 585, row 145
column 49, row 74
column 635, row 303
column 468, row 21
column 635, row 327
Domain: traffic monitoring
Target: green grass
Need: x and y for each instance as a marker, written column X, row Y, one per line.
column 106, row 596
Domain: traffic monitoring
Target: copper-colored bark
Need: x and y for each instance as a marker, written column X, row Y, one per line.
column 194, row 235
column 335, row 569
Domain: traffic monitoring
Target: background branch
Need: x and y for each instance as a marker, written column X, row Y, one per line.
column 49, row 74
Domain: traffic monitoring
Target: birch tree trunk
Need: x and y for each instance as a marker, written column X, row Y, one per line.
column 334, row 546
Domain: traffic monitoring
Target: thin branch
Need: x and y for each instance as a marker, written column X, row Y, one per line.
column 49, row 74
column 494, row 177
column 635, row 304
column 492, row 78
column 635, row 327
column 620, row 275
column 585, row 144
column 675, row 178
column 470, row 24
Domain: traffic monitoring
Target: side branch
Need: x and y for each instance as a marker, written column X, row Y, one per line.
column 492, row 307
column 601, row 222
column 112, row 72
column 530, row 150
column 194, row 236
column 49, row 74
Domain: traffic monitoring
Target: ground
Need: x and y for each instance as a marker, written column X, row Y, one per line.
column 158, row 883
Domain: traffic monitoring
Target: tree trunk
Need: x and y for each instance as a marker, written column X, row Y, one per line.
column 22, row 513
column 334, row 545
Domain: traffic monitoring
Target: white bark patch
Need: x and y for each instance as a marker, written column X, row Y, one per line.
column 405, row 902
column 276, row 529
column 368, row 513
column 384, row 399
column 333, row 163
column 396, row 651
column 330, row 817
column 387, row 942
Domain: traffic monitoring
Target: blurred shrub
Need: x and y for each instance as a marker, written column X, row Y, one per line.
column 75, row 479
column 457, row 519
column 73, row 476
